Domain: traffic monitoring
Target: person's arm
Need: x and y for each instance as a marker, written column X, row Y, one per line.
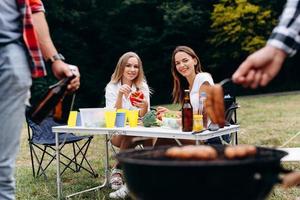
column 260, row 67
column 59, row 68
column 204, row 81
column 263, row 65
column 114, row 95
column 286, row 35
column 110, row 96
column 124, row 90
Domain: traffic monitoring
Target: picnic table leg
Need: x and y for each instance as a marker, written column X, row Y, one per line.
column 106, row 162
column 58, row 183
column 178, row 142
column 106, row 182
column 233, row 139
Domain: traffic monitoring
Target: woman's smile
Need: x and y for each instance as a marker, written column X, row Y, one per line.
column 131, row 69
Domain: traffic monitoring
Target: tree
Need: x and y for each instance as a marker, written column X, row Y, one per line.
column 93, row 34
column 241, row 25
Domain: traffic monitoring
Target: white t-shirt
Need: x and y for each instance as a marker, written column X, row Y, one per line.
column 194, row 93
column 111, row 94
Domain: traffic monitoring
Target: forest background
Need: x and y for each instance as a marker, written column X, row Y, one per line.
column 93, row 34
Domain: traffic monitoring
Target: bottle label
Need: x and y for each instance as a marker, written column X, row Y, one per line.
column 187, row 119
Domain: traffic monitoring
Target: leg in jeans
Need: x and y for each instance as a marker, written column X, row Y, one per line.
column 15, row 81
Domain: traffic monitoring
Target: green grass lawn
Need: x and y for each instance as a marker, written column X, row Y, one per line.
column 265, row 121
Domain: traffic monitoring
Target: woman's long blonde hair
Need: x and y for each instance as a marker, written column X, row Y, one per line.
column 180, row 83
column 119, row 70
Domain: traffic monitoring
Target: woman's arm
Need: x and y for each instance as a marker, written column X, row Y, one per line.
column 114, row 95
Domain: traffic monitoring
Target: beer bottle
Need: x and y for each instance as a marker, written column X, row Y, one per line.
column 187, row 113
column 54, row 95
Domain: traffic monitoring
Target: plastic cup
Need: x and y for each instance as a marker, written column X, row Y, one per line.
column 110, row 118
column 133, row 116
column 125, row 111
column 78, row 120
column 72, row 118
column 120, row 119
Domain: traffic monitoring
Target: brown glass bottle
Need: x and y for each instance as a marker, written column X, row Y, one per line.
column 187, row 113
column 54, row 95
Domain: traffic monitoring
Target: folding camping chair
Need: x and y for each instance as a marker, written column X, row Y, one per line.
column 230, row 106
column 41, row 142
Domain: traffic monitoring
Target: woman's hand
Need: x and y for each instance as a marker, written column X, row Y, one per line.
column 141, row 103
column 160, row 112
column 125, row 90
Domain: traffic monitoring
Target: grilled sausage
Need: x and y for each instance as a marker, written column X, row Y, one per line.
column 240, row 151
column 209, row 103
column 214, row 104
column 230, row 152
column 201, row 152
column 173, row 152
column 218, row 104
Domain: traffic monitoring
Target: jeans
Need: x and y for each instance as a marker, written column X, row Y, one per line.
column 15, row 82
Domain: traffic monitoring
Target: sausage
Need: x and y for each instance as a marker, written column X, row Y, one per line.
column 209, row 103
column 214, row 104
column 201, row 152
column 240, row 151
column 230, row 152
column 251, row 150
column 218, row 104
column 173, row 152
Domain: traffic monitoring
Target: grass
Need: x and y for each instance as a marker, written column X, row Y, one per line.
column 265, row 121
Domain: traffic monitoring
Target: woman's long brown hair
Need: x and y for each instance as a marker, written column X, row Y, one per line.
column 180, row 83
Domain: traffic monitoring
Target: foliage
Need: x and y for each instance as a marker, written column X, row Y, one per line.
column 93, row 34
column 240, row 24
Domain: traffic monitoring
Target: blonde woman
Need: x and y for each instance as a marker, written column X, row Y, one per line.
column 128, row 77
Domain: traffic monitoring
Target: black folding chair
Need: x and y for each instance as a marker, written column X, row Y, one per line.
column 41, row 142
column 230, row 106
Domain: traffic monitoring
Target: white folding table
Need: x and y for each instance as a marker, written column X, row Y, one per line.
column 155, row 132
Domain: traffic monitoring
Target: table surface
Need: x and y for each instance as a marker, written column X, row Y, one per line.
column 159, row 132
column 293, row 154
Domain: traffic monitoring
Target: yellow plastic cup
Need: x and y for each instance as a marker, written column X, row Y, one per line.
column 133, row 116
column 72, row 118
column 110, row 118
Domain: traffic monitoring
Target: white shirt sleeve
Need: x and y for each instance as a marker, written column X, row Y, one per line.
column 111, row 93
column 205, row 77
column 286, row 35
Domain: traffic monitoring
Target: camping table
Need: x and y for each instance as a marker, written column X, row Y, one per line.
column 155, row 132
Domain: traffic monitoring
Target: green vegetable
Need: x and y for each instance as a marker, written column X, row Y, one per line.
column 171, row 114
column 150, row 119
